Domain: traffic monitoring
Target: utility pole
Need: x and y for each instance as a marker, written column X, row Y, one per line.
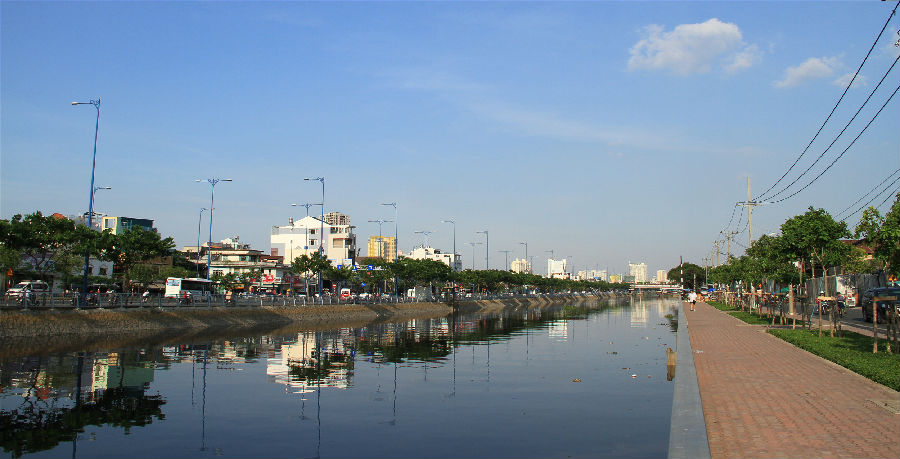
column 728, row 236
column 717, row 253
column 506, row 252
column 749, row 204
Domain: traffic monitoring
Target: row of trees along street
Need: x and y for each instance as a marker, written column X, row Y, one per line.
column 406, row 273
column 52, row 248
column 48, row 248
column 810, row 246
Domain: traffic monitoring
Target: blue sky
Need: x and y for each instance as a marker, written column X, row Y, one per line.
column 606, row 131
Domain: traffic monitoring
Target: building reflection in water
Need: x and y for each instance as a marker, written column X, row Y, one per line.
column 58, row 396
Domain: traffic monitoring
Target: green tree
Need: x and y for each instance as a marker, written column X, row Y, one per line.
column 883, row 235
column 690, row 272
column 132, row 247
column 817, row 236
column 41, row 242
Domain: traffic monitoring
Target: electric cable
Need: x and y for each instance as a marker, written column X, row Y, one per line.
column 883, row 28
column 840, row 133
column 867, row 204
column 845, row 150
column 839, row 214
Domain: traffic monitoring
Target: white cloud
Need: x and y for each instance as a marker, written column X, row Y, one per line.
column 692, row 48
column 814, row 67
column 845, row 80
column 744, row 59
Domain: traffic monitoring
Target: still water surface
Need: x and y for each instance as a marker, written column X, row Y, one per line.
column 554, row 382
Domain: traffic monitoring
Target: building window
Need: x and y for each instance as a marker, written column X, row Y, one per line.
column 103, row 270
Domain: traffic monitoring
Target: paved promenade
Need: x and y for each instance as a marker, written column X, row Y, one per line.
column 764, row 398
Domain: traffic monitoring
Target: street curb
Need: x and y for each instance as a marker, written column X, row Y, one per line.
column 687, row 431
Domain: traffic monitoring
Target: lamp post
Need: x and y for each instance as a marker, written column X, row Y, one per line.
column 212, row 197
column 396, row 226
column 454, row 240
column 506, row 252
column 305, row 245
column 526, row 255
column 380, row 239
column 94, row 198
column 96, row 104
column 396, row 242
column 199, row 220
column 487, row 250
column 425, row 233
column 321, row 226
column 473, row 244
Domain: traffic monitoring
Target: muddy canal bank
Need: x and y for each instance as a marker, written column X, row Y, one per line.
column 40, row 332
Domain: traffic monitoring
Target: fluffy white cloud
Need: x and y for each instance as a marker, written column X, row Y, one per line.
column 692, row 48
column 845, row 80
column 814, row 67
column 744, row 59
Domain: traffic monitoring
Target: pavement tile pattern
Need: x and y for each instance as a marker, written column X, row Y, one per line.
column 764, row 398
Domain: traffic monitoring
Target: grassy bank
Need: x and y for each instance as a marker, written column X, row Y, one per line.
column 852, row 351
column 746, row 316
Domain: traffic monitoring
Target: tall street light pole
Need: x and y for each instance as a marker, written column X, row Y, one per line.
column 212, row 198
column 526, row 255
column 321, row 227
column 424, row 233
column 506, row 252
column 305, row 244
column 454, row 240
column 96, row 104
column 380, row 240
column 487, row 250
column 396, row 241
column 396, row 226
column 94, row 197
column 473, row 244
column 199, row 220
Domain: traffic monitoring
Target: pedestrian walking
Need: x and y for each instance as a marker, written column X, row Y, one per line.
column 692, row 297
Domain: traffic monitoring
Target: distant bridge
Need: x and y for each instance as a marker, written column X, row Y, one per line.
column 661, row 287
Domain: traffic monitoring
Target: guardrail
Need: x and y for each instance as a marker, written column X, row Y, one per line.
column 47, row 301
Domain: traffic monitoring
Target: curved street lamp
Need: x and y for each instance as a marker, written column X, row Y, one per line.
column 454, row 241
column 212, row 195
column 96, row 104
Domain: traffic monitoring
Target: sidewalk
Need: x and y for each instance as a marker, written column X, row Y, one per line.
column 764, row 398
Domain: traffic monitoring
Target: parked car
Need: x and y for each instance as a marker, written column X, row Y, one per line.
column 866, row 302
column 36, row 287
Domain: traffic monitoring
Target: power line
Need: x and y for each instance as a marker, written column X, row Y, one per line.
column 840, row 133
column 845, row 150
column 867, row 204
column 888, row 197
column 763, row 195
column 838, row 215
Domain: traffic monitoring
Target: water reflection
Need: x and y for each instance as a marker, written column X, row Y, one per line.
column 419, row 368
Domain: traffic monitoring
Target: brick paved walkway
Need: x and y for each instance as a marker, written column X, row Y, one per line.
column 764, row 398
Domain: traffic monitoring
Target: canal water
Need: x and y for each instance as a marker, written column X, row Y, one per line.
column 568, row 381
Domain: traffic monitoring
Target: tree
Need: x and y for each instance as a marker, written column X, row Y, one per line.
column 883, row 235
column 690, row 272
column 41, row 242
column 816, row 236
column 134, row 246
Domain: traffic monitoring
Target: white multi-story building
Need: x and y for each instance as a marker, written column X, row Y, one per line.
column 556, row 268
column 591, row 274
column 639, row 271
column 430, row 253
column 302, row 237
column 520, row 265
column 662, row 276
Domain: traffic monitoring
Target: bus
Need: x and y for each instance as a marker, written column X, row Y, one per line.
column 176, row 287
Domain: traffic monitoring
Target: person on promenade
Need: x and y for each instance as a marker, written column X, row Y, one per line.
column 692, row 297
